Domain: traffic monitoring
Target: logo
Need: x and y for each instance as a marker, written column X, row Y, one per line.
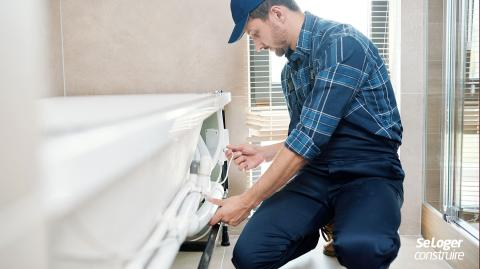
column 439, row 250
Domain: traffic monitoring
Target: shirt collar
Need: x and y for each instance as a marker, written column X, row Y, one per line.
column 304, row 42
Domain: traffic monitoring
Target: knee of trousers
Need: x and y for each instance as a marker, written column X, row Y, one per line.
column 366, row 251
column 247, row 256
column 243, row 256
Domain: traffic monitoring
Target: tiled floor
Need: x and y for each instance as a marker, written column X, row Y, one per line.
column 314, row 259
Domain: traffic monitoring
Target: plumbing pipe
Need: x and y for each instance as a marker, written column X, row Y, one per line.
column 168, row 249
column 186, row 214
column 206, row 211
column 190, row 222
column 162, row 226
column 203, row 149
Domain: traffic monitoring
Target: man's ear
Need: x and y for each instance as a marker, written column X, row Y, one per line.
column 278, row 13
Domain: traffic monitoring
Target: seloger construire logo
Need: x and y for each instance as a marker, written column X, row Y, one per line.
column 439, row 249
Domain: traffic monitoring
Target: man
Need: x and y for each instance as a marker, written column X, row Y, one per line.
column 339, row 162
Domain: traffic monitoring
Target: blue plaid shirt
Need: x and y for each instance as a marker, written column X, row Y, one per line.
column 336, row 78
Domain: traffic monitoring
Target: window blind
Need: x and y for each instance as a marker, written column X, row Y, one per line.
column 379, row 28
column 264, row 95
column 267, row 117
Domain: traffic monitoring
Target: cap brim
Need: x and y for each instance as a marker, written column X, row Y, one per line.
column 238, row 30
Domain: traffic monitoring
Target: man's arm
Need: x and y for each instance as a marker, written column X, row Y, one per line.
column 248, row 156
column 236, row 208
column 271, row 151
column 285, row 165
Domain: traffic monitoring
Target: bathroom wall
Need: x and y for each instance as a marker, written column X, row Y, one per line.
column 435, row 107
column 412, row 99
column 149, row 46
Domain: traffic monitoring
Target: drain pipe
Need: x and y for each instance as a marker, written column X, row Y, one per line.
column 189, row 222
column 206, row 211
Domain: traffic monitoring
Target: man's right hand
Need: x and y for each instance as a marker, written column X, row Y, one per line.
column 246, row 156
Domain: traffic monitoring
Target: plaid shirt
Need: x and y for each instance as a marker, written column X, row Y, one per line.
column 334, row 75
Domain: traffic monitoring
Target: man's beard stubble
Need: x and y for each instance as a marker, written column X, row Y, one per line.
column 280, row 52
column 280, row 39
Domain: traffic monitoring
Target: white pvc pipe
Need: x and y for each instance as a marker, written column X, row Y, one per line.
column 169, row 247
column 163, row 223
column 202, row 148
column 206, row 211
column 190, row 223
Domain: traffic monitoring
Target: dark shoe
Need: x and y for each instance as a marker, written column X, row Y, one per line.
column 327, row 234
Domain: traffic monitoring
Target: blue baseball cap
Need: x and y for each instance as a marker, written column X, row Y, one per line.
column 240, row 12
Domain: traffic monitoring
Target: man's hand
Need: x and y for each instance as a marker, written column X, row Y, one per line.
column 233, row 210
column 246, row 156
column 236, row 208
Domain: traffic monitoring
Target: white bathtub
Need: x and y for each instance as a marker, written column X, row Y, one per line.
column 111, row 165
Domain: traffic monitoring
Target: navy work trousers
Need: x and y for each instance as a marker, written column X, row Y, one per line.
column 363, row 199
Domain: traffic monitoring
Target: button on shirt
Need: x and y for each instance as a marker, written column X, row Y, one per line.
column 338, row 93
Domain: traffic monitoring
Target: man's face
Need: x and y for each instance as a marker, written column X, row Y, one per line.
column 268, row 34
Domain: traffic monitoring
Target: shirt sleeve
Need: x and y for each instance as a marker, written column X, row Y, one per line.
column 346, row 66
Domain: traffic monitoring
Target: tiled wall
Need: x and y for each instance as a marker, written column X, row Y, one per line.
column 435, row 100
column 120, row 46
column 412, row 85
column 134, row 47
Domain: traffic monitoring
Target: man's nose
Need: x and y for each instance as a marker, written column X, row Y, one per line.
column 258, row 45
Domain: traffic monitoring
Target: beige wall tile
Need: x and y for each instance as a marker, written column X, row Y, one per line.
column 435, row 75
column 411, row 155
column 412, row 46
column 432, row 186
column 413, row 74
column 435, row 113
column 119, row 47
column 435, row 41
column 433, row 151
column 434, row 104
column 435, row 11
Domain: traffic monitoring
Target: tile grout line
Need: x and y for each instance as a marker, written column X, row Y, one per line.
column 223, row 257
column 62, row 50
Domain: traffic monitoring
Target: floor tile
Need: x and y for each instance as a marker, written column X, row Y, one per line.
column 187, row 260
